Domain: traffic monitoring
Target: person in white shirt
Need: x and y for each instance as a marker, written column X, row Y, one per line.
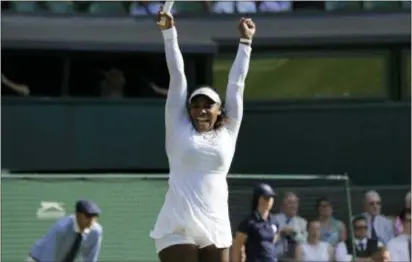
column 291, row 226
column 379, row 227
column 364, row 246
column 400, row 247
column 314, row 249
column 201, row 134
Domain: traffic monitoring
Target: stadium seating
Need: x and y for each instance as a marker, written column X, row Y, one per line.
column 60, row 7
column 107, row 8
column 343, row 5
column 24, row 6
column 381, row 5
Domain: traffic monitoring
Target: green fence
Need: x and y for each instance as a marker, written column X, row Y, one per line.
column 129, row 210
column 130, row 203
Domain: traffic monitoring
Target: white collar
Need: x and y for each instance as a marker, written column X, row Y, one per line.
column 362, row 241
column 76, row 226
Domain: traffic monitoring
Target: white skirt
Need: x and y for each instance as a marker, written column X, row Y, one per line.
column 188, row 214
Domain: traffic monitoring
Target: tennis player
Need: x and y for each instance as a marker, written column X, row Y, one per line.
column 70, row 236
column 201, row 133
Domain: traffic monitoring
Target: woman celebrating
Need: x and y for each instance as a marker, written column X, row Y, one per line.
column 201, row 133
column 314, row 249
column 258, row 231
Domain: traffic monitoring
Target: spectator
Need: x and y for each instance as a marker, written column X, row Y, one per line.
column 381, row 255
column 231, row 7
column 400, row 246
column 18, row 88
column 314, row 249
column 364, row 246
column 398, row 228
column 292, row 227
column 331, row 230
column 112, row 86
column 379, row 226
column 145, row 7
column 274, row 6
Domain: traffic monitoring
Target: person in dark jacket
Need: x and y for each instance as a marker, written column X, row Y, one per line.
column 257, row 233
column 364, row 247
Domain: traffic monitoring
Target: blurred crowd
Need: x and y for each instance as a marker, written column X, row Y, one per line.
column 141, row 8
column 377, row 237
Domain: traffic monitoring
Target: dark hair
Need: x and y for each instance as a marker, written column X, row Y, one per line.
column 358, row 218
column 405, row 211
column 310, row 221
column 221, row 119
column 322, row 199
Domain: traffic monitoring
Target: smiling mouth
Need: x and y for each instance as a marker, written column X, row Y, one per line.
column 202, row 120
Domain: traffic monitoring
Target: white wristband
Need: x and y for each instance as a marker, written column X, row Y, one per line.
column 245, row 41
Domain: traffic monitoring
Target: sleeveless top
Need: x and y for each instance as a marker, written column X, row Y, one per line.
column 331, row 232
column 315, row 253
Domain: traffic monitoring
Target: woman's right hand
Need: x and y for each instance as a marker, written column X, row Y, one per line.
column 165, row 20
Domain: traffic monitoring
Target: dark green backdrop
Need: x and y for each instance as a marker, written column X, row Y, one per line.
column 370, row 141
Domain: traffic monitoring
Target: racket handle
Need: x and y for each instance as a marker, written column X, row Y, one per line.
column 168, row 6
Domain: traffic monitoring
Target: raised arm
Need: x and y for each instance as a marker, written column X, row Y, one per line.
column 237, row 76
column 177, row 93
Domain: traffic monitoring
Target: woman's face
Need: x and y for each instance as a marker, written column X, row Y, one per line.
column 266, row 202
column 325, row 209
column 204, row 112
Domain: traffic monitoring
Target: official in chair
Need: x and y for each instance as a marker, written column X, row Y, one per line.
column 77, row 234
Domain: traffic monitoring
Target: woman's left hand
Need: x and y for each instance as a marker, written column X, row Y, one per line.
column 247, row 28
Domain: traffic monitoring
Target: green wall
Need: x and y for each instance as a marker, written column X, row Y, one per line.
column 129, row 209
column 368, row 140
column 130, row 204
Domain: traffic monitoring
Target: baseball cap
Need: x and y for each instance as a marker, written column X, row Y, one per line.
column 206, row 91
column 263, row 189
column 87, row 207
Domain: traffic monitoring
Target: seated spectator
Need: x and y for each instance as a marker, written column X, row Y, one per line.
column 24, row 6
column 274, row 6
column 292, row 228
column 189, row 7
column 18, row 88
column 379, row 227
column 231, row 7
column 146, row 7
column 107, row 8
column 331, row 230
column 112, row 86
column 60, row 7
column 400, row 246
column 314, row 249
column 364, row 246
column 398, row 228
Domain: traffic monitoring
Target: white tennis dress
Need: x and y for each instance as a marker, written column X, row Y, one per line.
column 196, row 204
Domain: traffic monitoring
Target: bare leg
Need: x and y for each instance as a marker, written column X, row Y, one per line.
column 212, row 253
column 179, row 253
